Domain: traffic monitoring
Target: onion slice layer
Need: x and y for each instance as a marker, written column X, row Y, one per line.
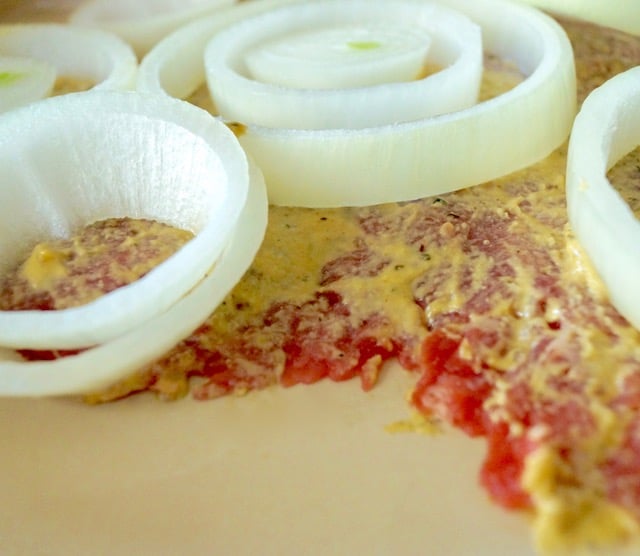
column 101, row 366
column 341, row 101
column 605, row 130
column 395, row 162
column 175, row 66
column 24, row 80
column 88, row 54
column 142, row 23
column 435, row 155
column 71, row 160
column 353, row 55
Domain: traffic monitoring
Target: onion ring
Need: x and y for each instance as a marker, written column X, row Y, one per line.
column 607, row 128
column 101, row 366
column 91, row 54
column 436, row 155
column 24, row 80
column 406, row 161
column 175, row 66
column 240, row 97
column 142, row 24
column 70, row 160
column 337, row 58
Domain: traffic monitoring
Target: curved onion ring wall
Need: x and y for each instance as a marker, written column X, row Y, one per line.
column 142, row 23
column 101, row 366
column 68, row 161
column 334, row 41
column 413, row 159
column 24, row 80
column 605, row 130
column 87, row 54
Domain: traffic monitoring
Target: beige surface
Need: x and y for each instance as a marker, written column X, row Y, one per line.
column 299, row 471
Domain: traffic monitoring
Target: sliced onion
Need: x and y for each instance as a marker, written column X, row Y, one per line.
column 175, row 66
column 142, row 23
column 68, row 161
column 102, row 366
column 436, row 155
column 413, row 159
column 90, row 54
column 354, row 55
column 623, row 15
column 606, row 129
column 240, row 97
column 23, row 80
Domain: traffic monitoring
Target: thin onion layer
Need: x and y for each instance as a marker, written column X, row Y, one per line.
column 101, row 58
column 71, row 160
column 24, row 80
column 605, row 130
column 102, row 366
column 428, row 156
column 175, row 66
column 142, row 23
column 334, row 43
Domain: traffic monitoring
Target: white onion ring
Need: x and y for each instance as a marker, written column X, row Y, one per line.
column 607, row 128
column 101, row 366
column 413, row 159
column 70, row 160
column 437, row 155
column 340, row 57
column 90, row 54
column 175, row 66
column 623, row 15
column 24, row 80
column 240, row 97
column 142, row 23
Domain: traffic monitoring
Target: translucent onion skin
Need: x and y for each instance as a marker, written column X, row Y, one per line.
column 70, row 160
column 142, row 23
column 88, row 54
column 414, row 159
column 605, row 130
column 101, row 366
column 623, row 15
column 240, row 97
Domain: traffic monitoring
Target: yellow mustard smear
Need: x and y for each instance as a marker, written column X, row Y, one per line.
column 98, row 258
column 570, row 519
column 44, row 265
